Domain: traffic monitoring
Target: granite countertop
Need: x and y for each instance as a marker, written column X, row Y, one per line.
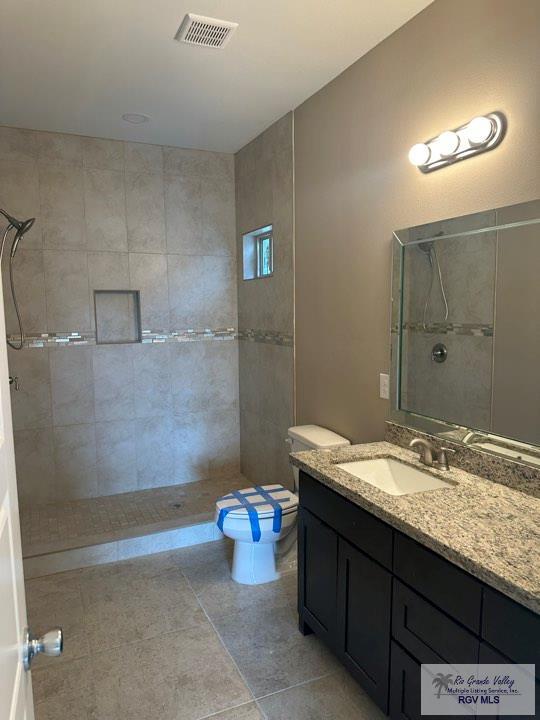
column 489, row 530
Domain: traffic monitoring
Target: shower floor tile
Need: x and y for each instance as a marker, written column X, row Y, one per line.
column 79, row 523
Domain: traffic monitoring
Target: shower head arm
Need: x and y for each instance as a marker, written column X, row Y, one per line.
column 11, row 220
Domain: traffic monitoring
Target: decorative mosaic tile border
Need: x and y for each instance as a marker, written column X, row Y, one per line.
column 148, row 336
column 443, row 328
column 266, row 336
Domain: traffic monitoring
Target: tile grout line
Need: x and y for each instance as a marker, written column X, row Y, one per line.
column 296, row 685
column 256, row 699
column 233, row 707
column 219, row 638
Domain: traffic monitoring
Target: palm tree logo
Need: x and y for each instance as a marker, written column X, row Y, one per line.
column 441, row 681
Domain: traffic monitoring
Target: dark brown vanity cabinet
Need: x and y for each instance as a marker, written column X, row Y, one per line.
column 318, row 546
column 364, row 594
column 385, row 604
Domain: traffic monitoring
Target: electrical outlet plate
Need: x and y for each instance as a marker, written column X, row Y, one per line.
column 384, row 386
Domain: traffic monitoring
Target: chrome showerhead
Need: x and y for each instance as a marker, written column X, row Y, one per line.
column 21, row 227
column 427, row 248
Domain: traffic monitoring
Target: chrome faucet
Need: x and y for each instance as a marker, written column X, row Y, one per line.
column 426, row 450
column 429, row 455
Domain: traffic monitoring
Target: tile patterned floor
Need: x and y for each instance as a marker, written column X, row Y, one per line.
column 172, row 637
column 79, row 523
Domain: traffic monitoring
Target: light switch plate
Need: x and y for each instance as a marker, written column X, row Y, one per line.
column 384, row 386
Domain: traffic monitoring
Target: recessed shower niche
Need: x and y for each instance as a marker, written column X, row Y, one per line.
column 118, row 316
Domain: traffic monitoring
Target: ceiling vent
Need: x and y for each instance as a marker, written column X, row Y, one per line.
column 205, row 31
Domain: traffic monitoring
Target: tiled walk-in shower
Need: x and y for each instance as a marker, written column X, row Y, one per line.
column 135, row 315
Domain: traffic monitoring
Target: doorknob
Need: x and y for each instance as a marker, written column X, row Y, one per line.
column 52, row 644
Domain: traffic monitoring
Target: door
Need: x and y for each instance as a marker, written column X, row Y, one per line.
column 317, row 575
column 15, row 684
column 364, row 607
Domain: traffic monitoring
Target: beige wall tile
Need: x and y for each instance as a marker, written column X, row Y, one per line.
column 224, row 442
column 191, row 461
column 145, row 212
column 66, row 287
column 75, row 187
column 116, row 456
column 72, row 385
column 152, row 379
column 19, row 190
column 35, row 466
column 148, row 274
column 140, row 157
column 105, row 210
column 182, row 161
column 183, row 214
column 100, row 154
column 31, row 404
column 17, row 144
column 155, row 452
column 204, row 375
column 29, row 280
column 218, row 229
column 108, row 270
column 75, row 473
column 59, row 149
column 202, row 291
column 62, row 206
column 113, row 382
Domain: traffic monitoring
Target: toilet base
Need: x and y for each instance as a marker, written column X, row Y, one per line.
column 254, row 563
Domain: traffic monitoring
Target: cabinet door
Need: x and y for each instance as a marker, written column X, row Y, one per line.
column 364, row 610
column 490, row 656
column 405, row 687
column 317, row 576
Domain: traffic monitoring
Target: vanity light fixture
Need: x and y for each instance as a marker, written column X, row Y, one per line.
column 480, row 134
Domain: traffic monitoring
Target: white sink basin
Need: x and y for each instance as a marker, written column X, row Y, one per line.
column 393, row 476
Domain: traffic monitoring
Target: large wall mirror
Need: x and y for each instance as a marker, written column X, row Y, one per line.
column 466, row 329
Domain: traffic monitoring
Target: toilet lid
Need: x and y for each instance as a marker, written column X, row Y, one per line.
column 261, row 499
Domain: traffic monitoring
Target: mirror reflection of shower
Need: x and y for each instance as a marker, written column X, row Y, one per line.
column 429, row 249
column 20, row 227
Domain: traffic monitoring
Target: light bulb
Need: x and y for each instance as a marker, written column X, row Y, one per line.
column 419, row 154
column 479, row 130
column 447, row 143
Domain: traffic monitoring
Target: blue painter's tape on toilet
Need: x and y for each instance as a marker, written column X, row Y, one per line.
column 258, row 502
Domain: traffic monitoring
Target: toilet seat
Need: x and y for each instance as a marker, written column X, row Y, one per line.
column 260, row 502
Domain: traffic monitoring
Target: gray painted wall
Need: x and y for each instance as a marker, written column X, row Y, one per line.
column 92, row 420
column 354, row 184
column 264, row 195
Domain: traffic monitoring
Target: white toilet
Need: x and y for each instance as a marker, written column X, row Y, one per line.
column 259, row 517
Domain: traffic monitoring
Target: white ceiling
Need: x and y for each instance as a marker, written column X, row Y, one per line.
column 78, row 65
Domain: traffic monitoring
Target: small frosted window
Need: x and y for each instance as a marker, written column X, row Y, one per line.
column 258, row 254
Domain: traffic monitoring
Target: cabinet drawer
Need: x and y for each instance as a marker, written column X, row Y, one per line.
column 428, row 633
column 511, row 629
column 357, row 526
column 448, row 587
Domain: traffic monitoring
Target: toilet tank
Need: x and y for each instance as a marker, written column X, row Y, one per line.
column 313, row 437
